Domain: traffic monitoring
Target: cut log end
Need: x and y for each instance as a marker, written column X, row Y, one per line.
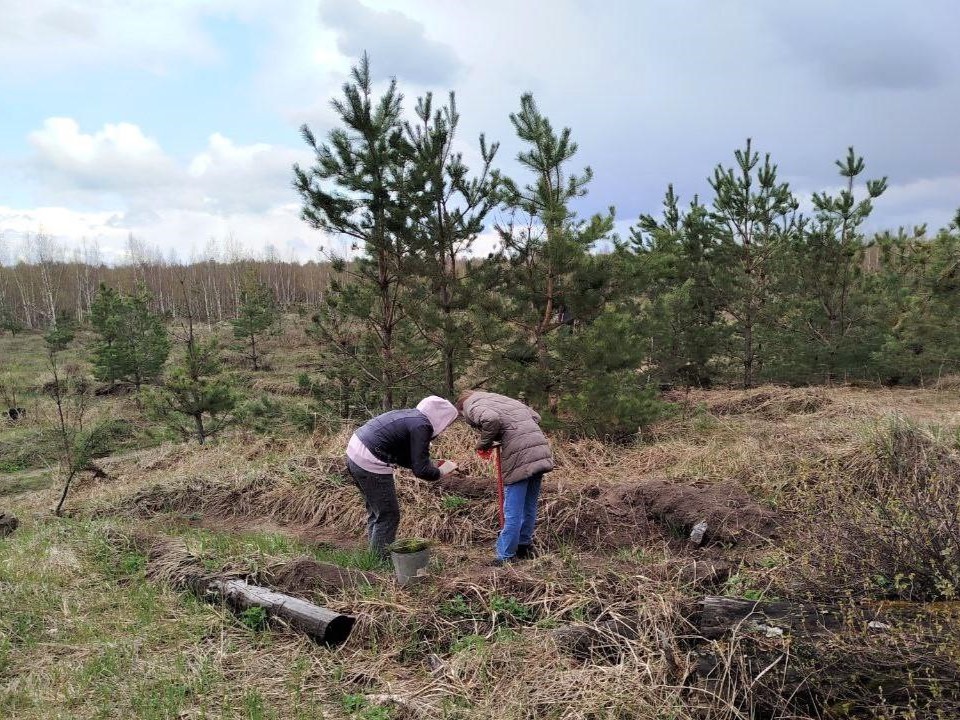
column 339, row 629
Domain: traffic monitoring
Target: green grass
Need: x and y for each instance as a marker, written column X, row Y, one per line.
column 453, row 502
column 24, row 447
column 28, row 482
column 31, row 443
column 739, row 585
column 219, row 548
column 84, row 634
column 510, row 607
column 357, row 706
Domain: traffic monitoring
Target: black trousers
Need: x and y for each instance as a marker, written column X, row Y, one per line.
column 383, row 508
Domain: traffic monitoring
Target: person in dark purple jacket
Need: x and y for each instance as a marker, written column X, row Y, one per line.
column 399, row 438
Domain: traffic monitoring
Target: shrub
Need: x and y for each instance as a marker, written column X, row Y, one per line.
column 892, row 528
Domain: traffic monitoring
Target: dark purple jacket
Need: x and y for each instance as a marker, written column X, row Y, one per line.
column 401, row 437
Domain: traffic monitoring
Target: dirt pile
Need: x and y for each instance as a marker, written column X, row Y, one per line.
column 472, row 487
column 619, row 515
column 728, row 510
column 768, row 403
column 311, row 492
column 305, row 575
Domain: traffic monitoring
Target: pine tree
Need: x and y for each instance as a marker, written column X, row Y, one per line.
column 825, row 297
column 542, row 269
column 755, row 215
column 256, row 314
column 195, row 393
column 450, row 211
column 601, row 389
column 917, row 301
column 133, row 345
column 69, row 393
column 676, row 273
column 358, row 189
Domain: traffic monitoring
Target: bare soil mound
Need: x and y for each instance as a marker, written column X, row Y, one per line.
column 592, row 516
column 611, row 516
column 729, row 511
column 768, row 403
column 304, row 575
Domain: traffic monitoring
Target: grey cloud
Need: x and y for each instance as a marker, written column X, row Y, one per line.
column 397, row 44
column 888, row 47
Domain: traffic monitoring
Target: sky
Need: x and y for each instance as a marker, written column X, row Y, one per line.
column 177, row 121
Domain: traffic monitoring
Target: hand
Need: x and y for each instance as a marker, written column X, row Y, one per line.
column 447, row 467
column 485, row 454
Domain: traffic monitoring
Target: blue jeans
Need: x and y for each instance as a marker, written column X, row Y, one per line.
column 520, row 515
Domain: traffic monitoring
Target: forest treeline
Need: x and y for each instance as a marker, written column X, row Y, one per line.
column 740, row 287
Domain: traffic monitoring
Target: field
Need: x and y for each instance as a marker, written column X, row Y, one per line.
column 840, row 498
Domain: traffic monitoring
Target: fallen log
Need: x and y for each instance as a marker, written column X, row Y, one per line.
column 812, row 659
column 8, row 523
column 719, row 616
column 168, row 560
column 326, row 626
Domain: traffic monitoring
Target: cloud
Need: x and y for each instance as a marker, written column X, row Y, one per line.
column 117, row 179
column 121, row 160
column 884, row 48
column 234, row 177
column 183, row 233
column 655, row 92
column 117, row 157
column 398, row 45
column 54, row 35
column 934, row 201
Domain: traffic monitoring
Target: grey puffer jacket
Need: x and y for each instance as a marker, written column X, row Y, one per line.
column 524, row 449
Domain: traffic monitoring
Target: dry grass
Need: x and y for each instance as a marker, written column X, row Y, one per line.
column 101, row 629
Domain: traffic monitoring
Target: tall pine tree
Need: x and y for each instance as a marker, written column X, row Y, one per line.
column 451, row 206
column 133, row 344
column 827, row 309
column 917, row 301
column 676, row 273
column 358, row 189
column 541, row 268
column 755, row 214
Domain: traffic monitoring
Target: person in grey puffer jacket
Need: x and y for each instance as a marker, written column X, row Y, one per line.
column 396, row 438
column 525, row 456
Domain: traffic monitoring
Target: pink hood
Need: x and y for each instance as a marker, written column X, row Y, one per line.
column 441, row 413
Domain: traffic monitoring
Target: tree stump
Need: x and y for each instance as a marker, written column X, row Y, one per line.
column 8, row 523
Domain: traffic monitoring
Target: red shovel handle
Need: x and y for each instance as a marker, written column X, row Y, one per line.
column 500, row 487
